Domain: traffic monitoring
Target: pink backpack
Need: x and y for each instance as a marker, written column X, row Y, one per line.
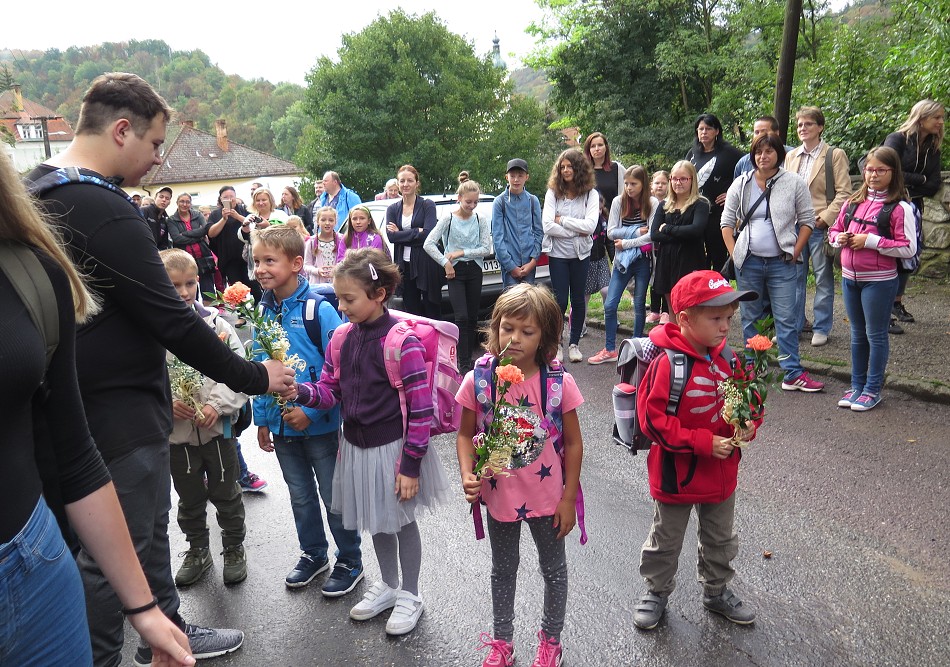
column 440, row 340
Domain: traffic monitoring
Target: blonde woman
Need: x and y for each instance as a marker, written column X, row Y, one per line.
column 48, row 616
column 678, row 231
column 918, row 142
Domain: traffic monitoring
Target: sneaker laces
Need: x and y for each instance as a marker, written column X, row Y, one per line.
column 197, row 631
column 547, row 649
column 498, row 652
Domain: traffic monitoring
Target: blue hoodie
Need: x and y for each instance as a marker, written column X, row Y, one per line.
column 291, row 312
column 516, row 229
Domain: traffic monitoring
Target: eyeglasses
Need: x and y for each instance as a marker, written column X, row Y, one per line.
column 872, row 171
column 681, row 179
column 806, row 123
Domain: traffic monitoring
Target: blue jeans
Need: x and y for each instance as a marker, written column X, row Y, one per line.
column 824, row 270
column 869, row 310
column 243, row 472
column 302, row 459
column 777, row 279
column 509, row 280
column 41, row 597
column 639, row 273
column 569, row 281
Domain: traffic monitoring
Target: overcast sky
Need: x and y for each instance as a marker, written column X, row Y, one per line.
column 270, row 40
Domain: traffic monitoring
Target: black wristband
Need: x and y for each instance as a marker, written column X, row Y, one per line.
column 139, row 610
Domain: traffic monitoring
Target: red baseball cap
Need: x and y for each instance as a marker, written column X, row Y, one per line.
column 706, row 288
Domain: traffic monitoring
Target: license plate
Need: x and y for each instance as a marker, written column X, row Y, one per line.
column 491, row 266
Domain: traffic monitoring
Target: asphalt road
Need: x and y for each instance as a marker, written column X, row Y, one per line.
column 852, row 507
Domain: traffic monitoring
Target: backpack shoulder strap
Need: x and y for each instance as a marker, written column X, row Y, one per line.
column 339, row 335
column 34, row 288
column 311, row 320
column 883, row 220
column 830, row 175
column 679, row 373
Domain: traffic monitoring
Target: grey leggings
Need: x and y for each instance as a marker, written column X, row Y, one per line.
column 505, row 539
column 402, row 548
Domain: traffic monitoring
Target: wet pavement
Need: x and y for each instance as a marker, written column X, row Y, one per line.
column 851, row 506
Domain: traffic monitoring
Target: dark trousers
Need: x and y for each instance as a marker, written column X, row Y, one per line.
column 190, row 465
column 465, row 291
column 569, row 280
column 416, row 301
column 143, row 484
column 716, row 253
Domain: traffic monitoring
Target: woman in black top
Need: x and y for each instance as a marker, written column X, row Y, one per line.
column 42, row 409
column 408, row 223
column 918, row 142
column 715, row 161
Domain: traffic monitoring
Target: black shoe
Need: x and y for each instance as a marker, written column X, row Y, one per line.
column 894, row 327
column 901, row 313
column 305, row 570
column 342, row 580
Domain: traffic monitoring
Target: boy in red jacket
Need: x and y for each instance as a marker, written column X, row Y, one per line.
column 692, row 462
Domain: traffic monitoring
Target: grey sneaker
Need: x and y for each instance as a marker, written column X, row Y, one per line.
column 196, row 563
column 205, row 643
column 729, row 605
column 649, row 610
column 235, row 564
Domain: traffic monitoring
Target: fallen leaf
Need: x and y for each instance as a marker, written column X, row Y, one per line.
column 766, row 554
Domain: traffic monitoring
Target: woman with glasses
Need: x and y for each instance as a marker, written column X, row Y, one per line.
column 715, row 162
column 918, row 142
column 875, row 231
column 766, row 223
column 678, row 229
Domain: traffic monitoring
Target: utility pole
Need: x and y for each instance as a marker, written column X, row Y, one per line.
column 786, row 65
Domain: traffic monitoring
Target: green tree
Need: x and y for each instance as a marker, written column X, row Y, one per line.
column 406, row 90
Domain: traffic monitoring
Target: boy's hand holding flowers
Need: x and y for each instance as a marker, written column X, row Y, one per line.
column 745, row 392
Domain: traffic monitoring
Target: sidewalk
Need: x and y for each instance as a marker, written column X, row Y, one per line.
column 919, row 362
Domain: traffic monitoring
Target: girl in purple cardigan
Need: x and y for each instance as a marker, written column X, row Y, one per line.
column 361, row 232
column 385, row 470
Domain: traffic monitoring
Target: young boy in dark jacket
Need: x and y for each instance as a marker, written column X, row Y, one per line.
column 692, row 461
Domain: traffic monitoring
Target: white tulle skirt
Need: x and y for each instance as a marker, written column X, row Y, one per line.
column 364, row 487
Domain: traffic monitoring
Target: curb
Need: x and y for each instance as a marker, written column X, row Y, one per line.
column 931, row 391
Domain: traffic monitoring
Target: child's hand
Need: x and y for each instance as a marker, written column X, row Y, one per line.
column 208, row 417
column 406, row 487
column 618, row 244
column 722, row 448
column 565, row 517
column 182, row 411
column 449, row 270
column 296, row 419
column 264, row 440
column 747, row 432
column 290, row 393
column 472, row 486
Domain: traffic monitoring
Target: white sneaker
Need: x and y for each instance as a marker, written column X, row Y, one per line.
column 560, row 353
column 818, row 339
column 376, row 600
column 574, row 354
column 405, row 615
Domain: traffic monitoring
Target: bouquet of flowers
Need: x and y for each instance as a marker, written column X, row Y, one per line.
column 270, row 337
column 186, row 383
column 744, row 393
column 515, row 435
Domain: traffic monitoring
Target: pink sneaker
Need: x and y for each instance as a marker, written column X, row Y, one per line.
column 500, row 652
column 549, row 651
column 602, row 357
column 803, row 383
column 664, row 318
column 653, row 318
column 252, row 484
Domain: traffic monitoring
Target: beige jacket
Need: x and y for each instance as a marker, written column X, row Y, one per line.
column 226, row 402
column 826, row 212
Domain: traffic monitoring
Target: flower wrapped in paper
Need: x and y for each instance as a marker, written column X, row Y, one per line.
column 744, row 393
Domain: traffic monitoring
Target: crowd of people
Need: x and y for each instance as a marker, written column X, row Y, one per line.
column 351, row 427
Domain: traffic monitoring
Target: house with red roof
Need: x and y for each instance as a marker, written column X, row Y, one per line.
column 199, row 163
column 30, row 132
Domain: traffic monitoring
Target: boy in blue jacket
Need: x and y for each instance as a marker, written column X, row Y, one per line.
column 304, row 439
column 516, row 229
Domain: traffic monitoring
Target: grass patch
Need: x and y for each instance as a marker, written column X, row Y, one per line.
column 595, row 307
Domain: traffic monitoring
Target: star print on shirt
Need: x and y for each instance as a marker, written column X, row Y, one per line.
column 522, row 511
column 545, row 471
column 493, row 482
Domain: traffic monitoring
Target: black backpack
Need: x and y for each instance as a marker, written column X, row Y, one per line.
column 883, row 224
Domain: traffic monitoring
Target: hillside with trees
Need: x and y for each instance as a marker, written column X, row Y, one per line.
column 199, row 90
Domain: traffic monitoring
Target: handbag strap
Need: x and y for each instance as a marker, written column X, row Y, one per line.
column 765, row 195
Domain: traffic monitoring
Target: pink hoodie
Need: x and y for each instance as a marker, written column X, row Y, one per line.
column 877, row 261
